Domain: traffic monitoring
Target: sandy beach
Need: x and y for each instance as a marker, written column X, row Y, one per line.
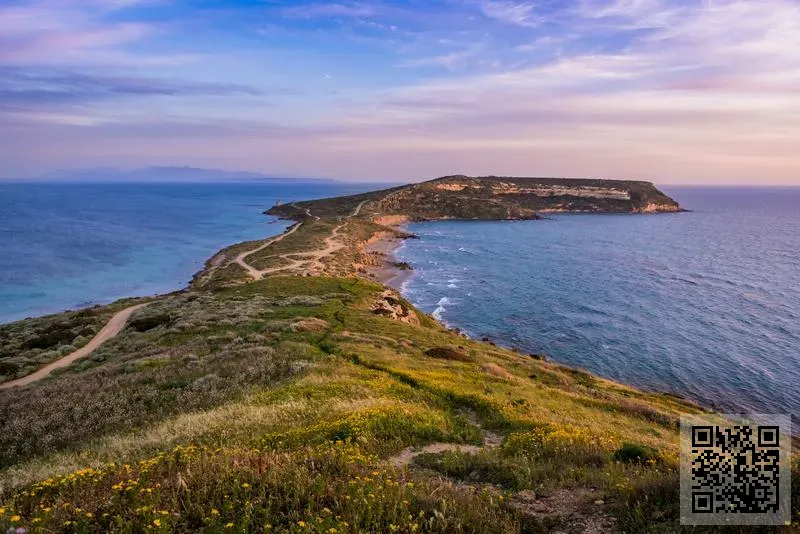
column 385, row 271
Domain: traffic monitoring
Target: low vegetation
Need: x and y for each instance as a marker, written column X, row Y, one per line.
column 282, row 403
column 28, row 345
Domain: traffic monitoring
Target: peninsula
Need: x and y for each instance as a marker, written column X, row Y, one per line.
column 285, row 390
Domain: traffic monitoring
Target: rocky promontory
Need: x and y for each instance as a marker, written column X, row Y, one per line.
column 494, row 197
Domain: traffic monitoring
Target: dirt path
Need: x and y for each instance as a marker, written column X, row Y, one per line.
column 332, row 244
column 576, row 510
column 252, row 271
column 111, row 329
column 406, row 457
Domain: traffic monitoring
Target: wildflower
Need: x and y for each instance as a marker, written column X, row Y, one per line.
column 2, row 511
column 245, row 485
column 15, row 518
column 229, row 525
column 301, row 524
column 327, row 510
column 214, row 511
column 157, row 522
column 89, row 514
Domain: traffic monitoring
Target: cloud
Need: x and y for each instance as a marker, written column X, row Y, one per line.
column 51, row 89
column 516, row 13
column 617, row 87
column 53, row 31
column 347, row 10
column 450, row 60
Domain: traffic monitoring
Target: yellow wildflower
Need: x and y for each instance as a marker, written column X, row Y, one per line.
column 301, row 524
column 229, row 525
column 15, row 518
column 214, row 511
column 245, row 485
column 157, row 522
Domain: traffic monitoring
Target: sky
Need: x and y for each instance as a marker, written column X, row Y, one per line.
column 672, row 91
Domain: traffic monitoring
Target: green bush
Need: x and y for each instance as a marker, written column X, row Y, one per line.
column 631, row 452
column 447, row 353
column 148, row 322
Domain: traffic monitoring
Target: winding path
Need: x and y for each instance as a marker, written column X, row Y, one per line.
column 332, row 244
column 111, row 329
column 252, row 271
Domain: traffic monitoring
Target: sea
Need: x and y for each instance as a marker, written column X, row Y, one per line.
column 704, row 304
column 73, row 245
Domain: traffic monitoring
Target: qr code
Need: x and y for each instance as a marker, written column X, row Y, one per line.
column 735, row 470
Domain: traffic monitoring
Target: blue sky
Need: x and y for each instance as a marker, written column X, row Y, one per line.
column 672, row 91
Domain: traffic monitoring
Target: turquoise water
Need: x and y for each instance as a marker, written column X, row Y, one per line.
column 66, row 246
column 705, row 304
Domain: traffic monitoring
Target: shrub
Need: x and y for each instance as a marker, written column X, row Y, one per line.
column 447, row 353
column 148, row 322
column 631, row 452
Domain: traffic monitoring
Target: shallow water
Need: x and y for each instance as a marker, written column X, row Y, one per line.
column 705, row 304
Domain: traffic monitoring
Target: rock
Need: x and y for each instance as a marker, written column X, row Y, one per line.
column 389, row 304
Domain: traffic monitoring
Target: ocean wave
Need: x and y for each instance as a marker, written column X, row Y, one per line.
column 440, row 308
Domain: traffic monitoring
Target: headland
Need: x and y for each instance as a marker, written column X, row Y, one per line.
column 285, row 389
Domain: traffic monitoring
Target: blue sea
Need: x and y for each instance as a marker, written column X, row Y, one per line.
column 67, row 246
column 704, row 304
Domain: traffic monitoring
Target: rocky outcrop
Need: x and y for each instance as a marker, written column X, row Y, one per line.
column 390, row 304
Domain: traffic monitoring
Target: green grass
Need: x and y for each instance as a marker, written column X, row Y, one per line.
column 274, row 402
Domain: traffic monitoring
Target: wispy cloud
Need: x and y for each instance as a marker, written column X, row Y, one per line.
column 351, row 9
column 517, row 13
column 39, row 87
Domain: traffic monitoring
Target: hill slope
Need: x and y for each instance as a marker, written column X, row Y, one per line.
column 260, row 400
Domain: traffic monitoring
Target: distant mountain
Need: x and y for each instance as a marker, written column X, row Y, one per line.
column 169, row 174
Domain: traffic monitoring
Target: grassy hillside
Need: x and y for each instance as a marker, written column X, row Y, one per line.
column 305, row 398
column 278, row 403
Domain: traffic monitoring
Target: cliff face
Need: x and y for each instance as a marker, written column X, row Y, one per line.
column 492, row 197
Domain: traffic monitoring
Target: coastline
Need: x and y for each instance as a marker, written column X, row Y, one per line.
column 385, row 271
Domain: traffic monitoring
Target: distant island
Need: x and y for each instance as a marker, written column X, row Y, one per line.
column 288, row 389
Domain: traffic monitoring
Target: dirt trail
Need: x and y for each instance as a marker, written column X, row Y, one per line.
column 575, row 510
column 111, row 329
column 332, row 244
column 406, row 457
column 252, row 271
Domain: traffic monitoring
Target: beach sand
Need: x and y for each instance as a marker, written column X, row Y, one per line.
column 386, row 272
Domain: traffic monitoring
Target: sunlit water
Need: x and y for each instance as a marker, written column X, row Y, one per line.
column 705, row 304
column 70, row 245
